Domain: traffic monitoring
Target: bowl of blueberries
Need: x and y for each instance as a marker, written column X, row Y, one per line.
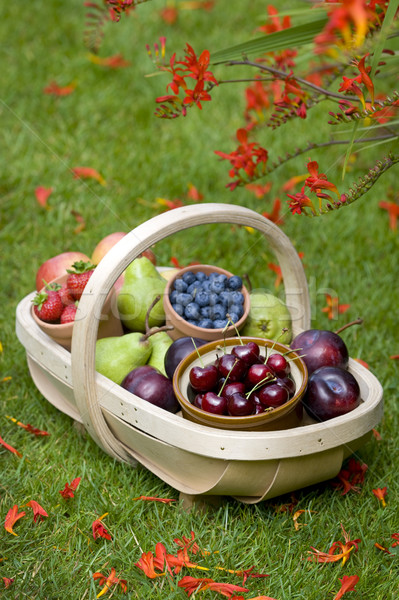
column 206, row 302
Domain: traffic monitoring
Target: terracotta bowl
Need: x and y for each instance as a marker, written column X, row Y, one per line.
column 109, row 322
column 182, row 328
column 284, row 417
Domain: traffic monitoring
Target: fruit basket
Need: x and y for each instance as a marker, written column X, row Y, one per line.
column 194, row 459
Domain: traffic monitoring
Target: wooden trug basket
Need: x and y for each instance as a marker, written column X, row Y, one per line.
column 192, row 458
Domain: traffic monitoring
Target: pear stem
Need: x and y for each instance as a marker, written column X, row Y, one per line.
column 151, row 330
column 357, row 321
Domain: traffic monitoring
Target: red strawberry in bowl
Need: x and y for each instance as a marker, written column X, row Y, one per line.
column 79, row 275
column 48, row 305
column 69, row 313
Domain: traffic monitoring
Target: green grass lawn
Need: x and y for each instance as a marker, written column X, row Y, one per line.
column 108, row 124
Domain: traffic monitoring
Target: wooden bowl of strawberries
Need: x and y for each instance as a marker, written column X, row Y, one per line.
column 54, row 307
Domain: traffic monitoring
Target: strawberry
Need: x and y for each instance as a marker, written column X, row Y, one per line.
column 66, row 295
column 78, row 277
column 47, row 305
column 69, row 313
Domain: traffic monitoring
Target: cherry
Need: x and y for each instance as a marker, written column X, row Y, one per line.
column 288, row 383
column 239, row 405
column 273, row 395
column 204, row 379
column 233, row 388
column 198, row 400
column 213, row 403
column 231, row 366
column 279, row 364
column 331, row 392
column 257, row 373
column 248, row 352
column 321, row 348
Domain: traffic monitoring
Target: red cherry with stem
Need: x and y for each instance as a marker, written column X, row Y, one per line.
column 257, row 373
column 273, row 395
column 230, row 365
column 214, row 404
column 240, row 405
column 279, row 364
column 249, row 352
column 235, row 387
column 204, row 379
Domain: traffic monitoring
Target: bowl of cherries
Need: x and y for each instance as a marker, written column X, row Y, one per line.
column 205, row 301
column 243, row 384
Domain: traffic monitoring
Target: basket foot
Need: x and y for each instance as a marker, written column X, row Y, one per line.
column 199, row 502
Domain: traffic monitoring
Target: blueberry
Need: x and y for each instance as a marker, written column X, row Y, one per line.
column 184, row 299
column 213, row 298
column 202, row 298
column 188, row 277
column 206, row 312
column 172, row 296
column 213, row 276
column 192, row 322
column 219, row 311
column 206, row 323
column 192, row 311
column 234, row 282
column 193, row 288
column 200, row 276
column 220, row 323
column 180, row 285
column 206, row 284
column 217, row 286
column 237, row 309
column 178, row 308
column 234, row 317
column 237, row 297
column 224, row 298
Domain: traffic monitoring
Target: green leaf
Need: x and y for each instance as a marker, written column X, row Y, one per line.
column 381, row 40
column 299, row 35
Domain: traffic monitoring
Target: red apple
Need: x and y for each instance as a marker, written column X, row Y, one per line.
column 56, row 266
column 105, row 245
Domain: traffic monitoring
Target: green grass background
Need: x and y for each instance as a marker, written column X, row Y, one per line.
column 108, row 124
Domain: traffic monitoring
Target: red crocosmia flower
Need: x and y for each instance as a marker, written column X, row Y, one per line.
column 393, row 212
column 113, row 62
column 146, row 564
column 7, row 581
column 38, row 511
column 186, row 542
column 193, row 194
column 395, row 536
column 351, row 476
column 9, row 448
column 344, row 550
column 99, row 529
column 348, row 585
column 29, row 428
column 362, row 362
column 11, row 518
column 333, row 309
column 318, row 181
column 258, row 189
column 350, row 20
column 275, row 215
column 88, row 173
column 194, row 584
column 170, row 204
column 107, row 582
column 300, row 202
column 169, row 14
column 42, row 194
column 55, row 90
column 70, row 488
column 197, row 95
column 247, row 157
column 380, row 493
column 279, row 275
column 197, row 67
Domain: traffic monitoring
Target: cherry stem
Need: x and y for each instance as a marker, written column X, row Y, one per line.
column 198, row 354
column 234, row 325
column 283, row 331
column 227, row 377
column 267, row 379
column 357, row 321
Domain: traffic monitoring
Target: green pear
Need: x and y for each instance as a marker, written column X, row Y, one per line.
column 160, row 342
column 268, row 316
column 142, row 283
column 117, row 356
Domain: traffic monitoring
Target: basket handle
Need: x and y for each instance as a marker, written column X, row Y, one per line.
column 122, row 254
